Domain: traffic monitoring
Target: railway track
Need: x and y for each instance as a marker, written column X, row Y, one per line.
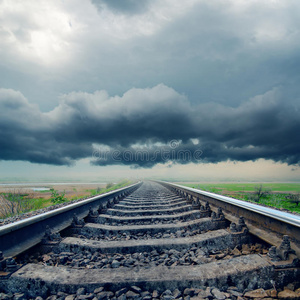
column 151, row 241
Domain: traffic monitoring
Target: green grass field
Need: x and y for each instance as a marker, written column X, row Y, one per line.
column 246, row 187
column 277, row 196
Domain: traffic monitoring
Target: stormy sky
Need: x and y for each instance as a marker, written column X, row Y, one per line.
column 150, row 88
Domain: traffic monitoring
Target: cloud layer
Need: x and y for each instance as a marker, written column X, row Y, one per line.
column 221, row 51
column 145, row 82
column 144, row 127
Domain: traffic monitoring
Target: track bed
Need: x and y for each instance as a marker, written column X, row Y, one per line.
column 154, row 243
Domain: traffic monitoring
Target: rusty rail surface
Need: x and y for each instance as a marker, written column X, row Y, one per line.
column 19, row 236
column 264, row 222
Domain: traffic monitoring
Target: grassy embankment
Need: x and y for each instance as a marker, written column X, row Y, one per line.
column 277, row 194
column 17, row 202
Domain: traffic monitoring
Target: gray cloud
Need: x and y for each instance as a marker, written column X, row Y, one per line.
column 210, row 51
column 123, row 6
column 224, row 53
column 136, row 129
column 26, row 134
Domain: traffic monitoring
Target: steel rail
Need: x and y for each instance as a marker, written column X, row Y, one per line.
column 267, row 211
column 19, row 236
column 262, row 221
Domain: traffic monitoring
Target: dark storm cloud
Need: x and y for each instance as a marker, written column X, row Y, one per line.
column 123, row 6
column 138, row 116
column 148, row 126
column 25, row 134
